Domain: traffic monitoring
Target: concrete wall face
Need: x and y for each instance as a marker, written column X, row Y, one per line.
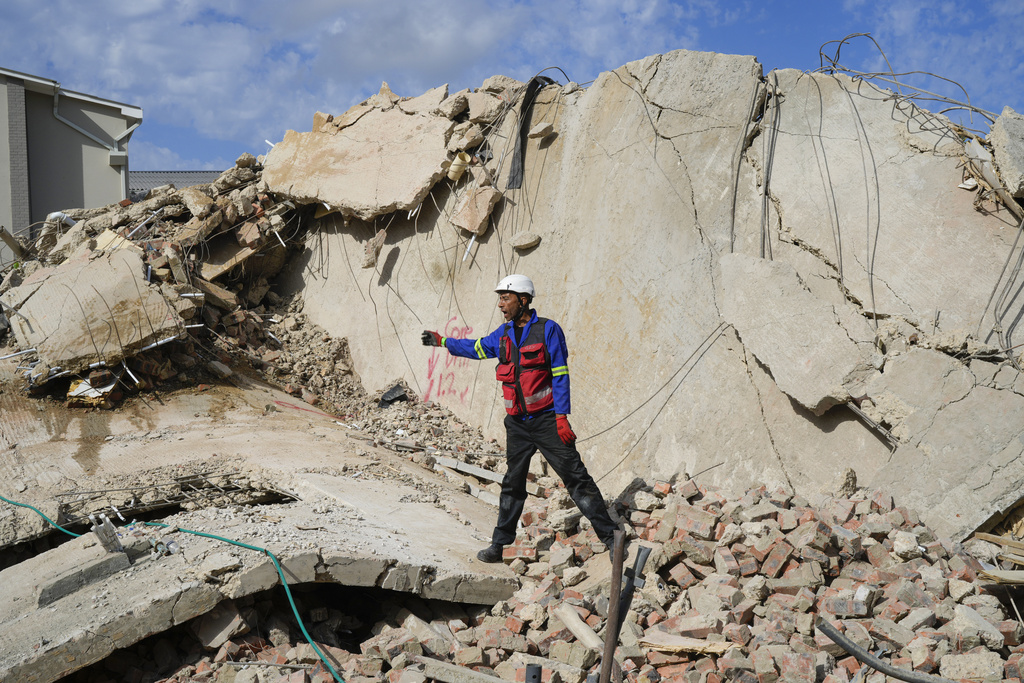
column 68, row 169
column 655, row 176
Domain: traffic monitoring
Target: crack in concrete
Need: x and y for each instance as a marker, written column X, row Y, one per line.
column 764, row 419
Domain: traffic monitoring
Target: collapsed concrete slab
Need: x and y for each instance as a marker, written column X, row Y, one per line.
column 384, row 160
column 798, row 337
column 672, row 163
column 96, row 308
column 346, row 531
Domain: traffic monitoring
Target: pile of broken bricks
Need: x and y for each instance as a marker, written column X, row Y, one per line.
column 734, row 589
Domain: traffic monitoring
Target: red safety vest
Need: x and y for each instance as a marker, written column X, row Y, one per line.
column 525, row 373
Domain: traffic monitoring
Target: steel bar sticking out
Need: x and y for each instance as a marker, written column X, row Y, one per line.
column 611, row 634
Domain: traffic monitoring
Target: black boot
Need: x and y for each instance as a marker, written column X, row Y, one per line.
column 491, row 553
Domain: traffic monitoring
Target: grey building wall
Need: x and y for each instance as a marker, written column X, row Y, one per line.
column 17, row 141
column 53, row 161
column 5, row 165
column 69, row 170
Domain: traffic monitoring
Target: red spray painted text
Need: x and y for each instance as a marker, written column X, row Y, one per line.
column 442, row 379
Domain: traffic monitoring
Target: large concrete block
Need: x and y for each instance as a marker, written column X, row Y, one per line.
column 385, row 161
column 90, row 309
column 1007, row 138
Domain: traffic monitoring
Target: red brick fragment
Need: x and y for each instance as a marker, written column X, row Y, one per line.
column 680, row 575
column 773, row 564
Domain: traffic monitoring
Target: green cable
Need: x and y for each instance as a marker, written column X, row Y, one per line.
column 55, row 525
column 277, row 565
column 284, row 583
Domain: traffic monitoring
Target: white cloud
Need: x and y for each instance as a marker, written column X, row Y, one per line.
column 146, row 156
column 247, row 70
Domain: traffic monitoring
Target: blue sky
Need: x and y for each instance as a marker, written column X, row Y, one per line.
column 216, row 79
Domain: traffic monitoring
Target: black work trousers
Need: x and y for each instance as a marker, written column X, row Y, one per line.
column 524, row 438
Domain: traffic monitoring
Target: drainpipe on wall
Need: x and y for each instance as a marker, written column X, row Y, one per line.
column 114, row 149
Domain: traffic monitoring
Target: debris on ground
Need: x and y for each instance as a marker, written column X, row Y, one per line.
column 735, row 590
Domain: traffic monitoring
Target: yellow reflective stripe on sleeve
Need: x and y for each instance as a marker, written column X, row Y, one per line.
column 444, row 342
column 560, row 370
column 479, row 350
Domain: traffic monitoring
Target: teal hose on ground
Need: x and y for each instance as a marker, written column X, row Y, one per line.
column 55, row 525
column 287, row 591
column 277, row 565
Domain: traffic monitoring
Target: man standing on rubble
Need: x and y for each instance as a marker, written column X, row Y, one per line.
column 534, row 375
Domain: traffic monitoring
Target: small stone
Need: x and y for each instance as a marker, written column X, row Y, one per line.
column 573, row 575
column 541, row 130
column 246, row 160
column 524, row 240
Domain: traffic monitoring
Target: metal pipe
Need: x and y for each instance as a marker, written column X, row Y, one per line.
column 611, row 633
column 865, row 657
column 19, row 353
column 159, row 343
column 56, row 115
column 128, row 370
column 61, row 217
column 191, row 295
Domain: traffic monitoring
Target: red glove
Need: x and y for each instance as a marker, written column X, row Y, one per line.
column 432, row 338
column 565, row 432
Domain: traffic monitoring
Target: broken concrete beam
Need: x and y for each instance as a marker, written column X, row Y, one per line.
column 11, row 242
column 1007, row 138
column 217, row 295
column 385, row 161
column 101, row 565
column 474, row 208
column 224, row 255
column 799, row 338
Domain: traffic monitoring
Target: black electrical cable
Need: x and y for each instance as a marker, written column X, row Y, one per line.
column 865, row 657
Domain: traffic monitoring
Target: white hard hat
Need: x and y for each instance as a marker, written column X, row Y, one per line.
column 519, row 284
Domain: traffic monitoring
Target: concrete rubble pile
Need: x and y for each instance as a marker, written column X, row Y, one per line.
column 166, row 254
column 807, row 267
column 735, row 586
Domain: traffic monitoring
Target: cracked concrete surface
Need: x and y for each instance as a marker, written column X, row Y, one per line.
column 386, row 160
column 94, row 307
column 656, row 176
column 349, row 526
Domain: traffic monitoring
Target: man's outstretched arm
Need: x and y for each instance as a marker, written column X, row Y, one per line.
column 484, row 347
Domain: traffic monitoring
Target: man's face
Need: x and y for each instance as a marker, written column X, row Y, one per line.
column 508, row 303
